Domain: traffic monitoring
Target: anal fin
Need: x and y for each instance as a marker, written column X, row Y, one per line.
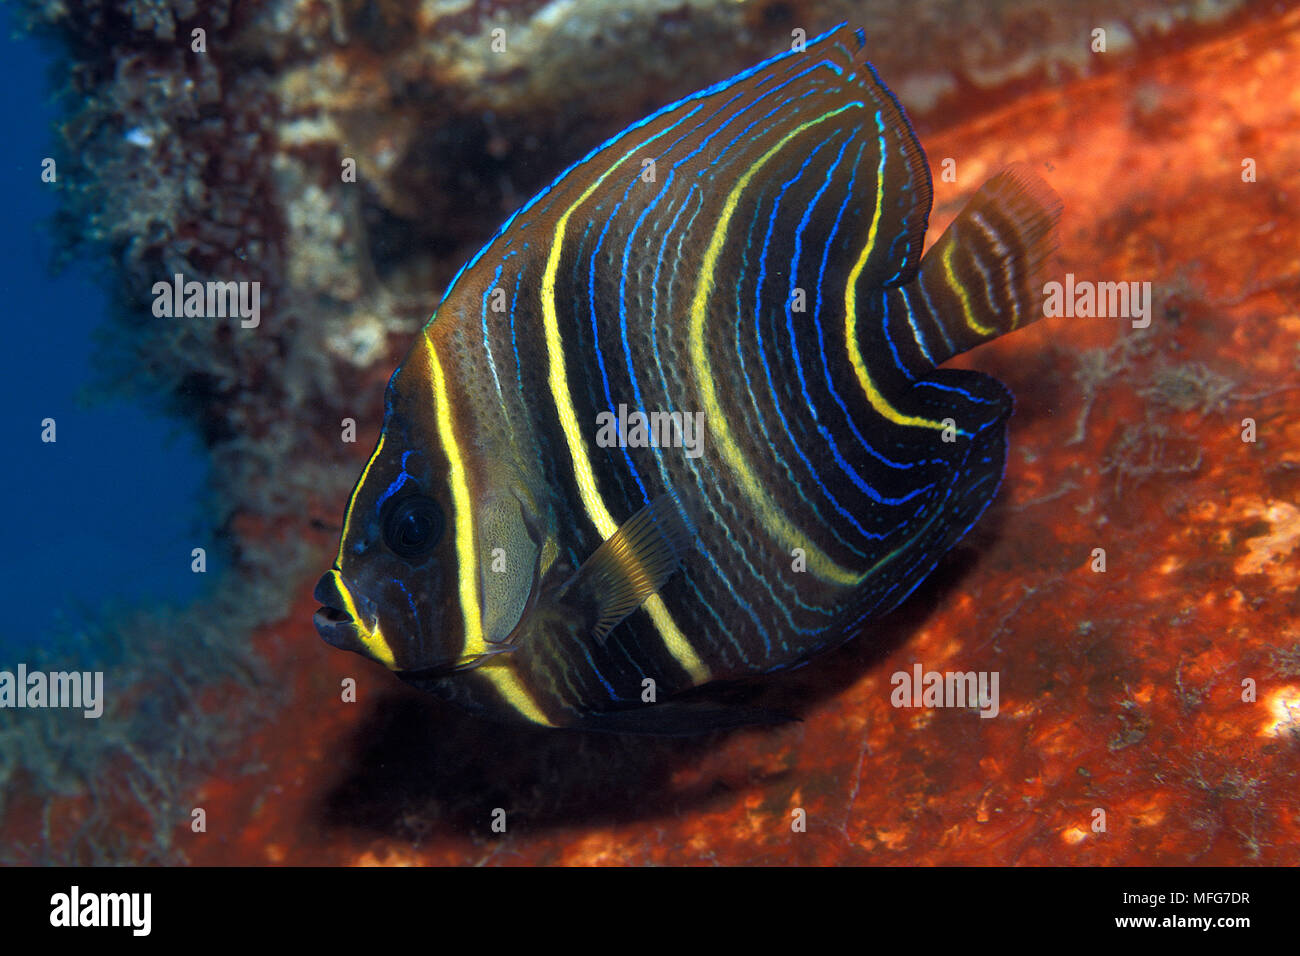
column 681, row 718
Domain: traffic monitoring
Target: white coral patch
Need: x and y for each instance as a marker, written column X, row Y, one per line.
column 1267, row 551
column 1283, row 707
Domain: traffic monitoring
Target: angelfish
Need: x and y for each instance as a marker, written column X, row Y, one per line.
column 753, row 253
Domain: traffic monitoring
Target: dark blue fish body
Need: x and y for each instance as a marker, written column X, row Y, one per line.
column 743, row 271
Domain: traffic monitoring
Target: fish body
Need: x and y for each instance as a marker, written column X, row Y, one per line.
column 745, row 265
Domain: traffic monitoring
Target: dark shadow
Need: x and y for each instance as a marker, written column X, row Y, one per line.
column 417, row 766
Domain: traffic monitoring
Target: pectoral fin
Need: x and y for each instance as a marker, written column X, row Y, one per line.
column 632, row 564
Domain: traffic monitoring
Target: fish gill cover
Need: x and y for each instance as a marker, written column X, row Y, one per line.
column 334, row 164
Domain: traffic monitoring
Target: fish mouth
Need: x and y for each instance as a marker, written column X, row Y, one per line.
column 328, row 617
column 335, row 626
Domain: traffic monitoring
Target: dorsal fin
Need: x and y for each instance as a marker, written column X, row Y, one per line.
column 772, row 116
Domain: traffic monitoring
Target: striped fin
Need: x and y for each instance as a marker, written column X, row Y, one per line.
column 978, row 281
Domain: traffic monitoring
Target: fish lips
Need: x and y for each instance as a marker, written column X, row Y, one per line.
column 335, row 626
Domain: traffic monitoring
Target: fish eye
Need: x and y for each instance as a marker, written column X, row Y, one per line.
column 412, row 526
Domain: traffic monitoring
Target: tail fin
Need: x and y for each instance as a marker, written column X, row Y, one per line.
column 979, row 280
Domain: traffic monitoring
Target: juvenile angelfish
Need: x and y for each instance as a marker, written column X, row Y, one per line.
column 748, row 260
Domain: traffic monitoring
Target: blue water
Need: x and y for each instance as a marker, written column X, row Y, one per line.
column 111, row 511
